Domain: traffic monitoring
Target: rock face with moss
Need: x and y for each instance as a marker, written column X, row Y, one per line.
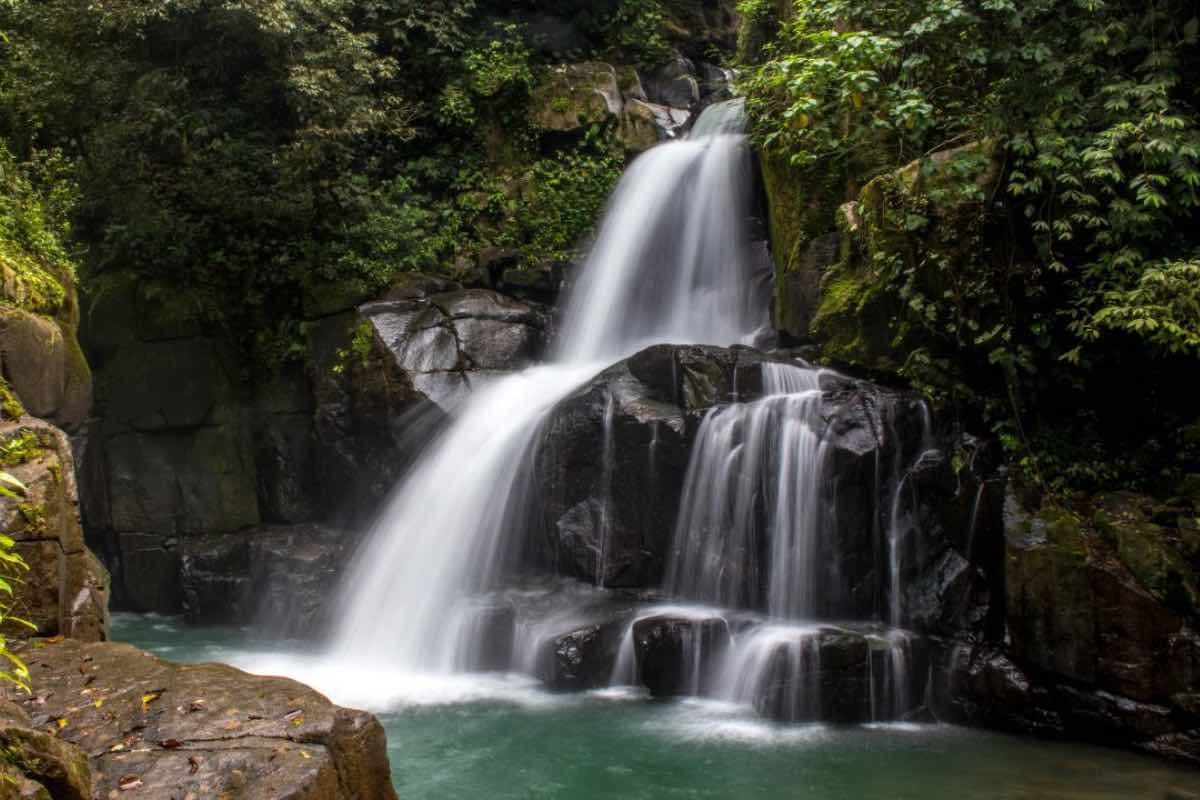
column 43, row 374
column 1101, row 627
column 40, row 357
column 125, row 721
column 66, row 589
column 36, row 764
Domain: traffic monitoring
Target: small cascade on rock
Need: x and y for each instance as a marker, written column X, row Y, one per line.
column 891, row 673
column 606, row 492
column 900, row 530
column 672, row 262
column 776, row 669
column 751, row 512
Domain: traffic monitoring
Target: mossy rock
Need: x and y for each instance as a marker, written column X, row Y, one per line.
column 28, row 285
column 759, row 25
column 570, row 97
column 60, row 768
column 1148, row 551
column 10, row 405
column 907, row 231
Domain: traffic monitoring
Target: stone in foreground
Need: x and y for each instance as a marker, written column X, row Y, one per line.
column 154, row 729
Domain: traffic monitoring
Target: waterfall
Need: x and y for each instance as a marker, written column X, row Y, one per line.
column 751, row 515
column 671, row 263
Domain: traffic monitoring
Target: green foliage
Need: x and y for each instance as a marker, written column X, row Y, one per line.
column 501, row 67
column 36, row 198
column 636, row 31
column 10, row 404
column 359, row 351
column 238, row 156
column 1022, row 287
column 12, row 669
column 20, row 448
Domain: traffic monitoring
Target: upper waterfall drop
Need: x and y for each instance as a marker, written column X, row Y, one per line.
column 672, row 263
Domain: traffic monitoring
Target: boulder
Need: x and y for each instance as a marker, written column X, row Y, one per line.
column 679, row 655
column 40, row 357
column 582, row 658
column 148, row 727
column 673, row 84
column 844, row 674
column 37, row 764
column 1096, row 648
column 66, row 589
column 644, row 124
column 570, row 97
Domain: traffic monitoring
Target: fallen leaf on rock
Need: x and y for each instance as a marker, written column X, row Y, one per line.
column 62, row 723
column 55, row 639
column 194, row 763
column 129, row 782
column 305, row 754
column 116, row 748
column 171, row 744
column 232, row 725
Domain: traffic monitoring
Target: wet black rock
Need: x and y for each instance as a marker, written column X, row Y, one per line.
column 283, row 578
column 679, row 655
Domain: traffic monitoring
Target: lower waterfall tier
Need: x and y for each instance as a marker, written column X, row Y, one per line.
column 574, row 637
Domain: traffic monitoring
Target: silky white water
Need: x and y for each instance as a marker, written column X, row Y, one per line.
column 671, row 264
column 751, row 515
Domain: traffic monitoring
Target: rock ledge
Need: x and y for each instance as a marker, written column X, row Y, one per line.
column 150, row 728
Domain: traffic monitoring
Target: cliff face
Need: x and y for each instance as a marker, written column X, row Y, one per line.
column 46, row 389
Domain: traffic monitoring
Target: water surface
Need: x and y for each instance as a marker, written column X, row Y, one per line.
column 505, row 739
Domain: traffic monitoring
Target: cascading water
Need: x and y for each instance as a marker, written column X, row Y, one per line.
column 751, row 510
column 671, row 263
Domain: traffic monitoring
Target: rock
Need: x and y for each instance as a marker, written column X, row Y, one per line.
column 188, row 482
column 295, row 572
column 628, row 434
column 673, row 84
column 40, row 357
column 148, row 576
column 207, row 730
column 842, row 674
column 569, row 97
column 797, row 291
column 1090, row 653
column 281, row 578
column 66, row 589
column 582, row 658
column 1148, row 551
column 859, row 319
column 1075, row 612
column 644, row 125
column 214, row 578
column 678, row 656
column 48, row 767
column 284, row 452
column 369, row 419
